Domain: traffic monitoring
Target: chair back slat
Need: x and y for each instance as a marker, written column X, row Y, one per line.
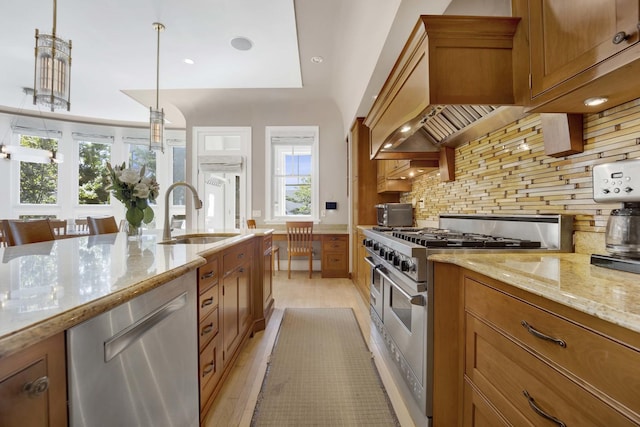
column 300, row 236
column 103, row 225
column 251, row 223
column 58, row 226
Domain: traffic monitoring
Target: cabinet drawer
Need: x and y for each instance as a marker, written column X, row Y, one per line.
column 208, row 274
column 336, row 244
column 208, row 301
column 609, row 366
column 516, row 381
column 210, row 370
column 234, row 257
column 208, row 328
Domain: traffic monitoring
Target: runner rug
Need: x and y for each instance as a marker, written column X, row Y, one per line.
column 321, row 373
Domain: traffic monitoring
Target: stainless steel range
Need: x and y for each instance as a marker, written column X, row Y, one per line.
column 402, row 298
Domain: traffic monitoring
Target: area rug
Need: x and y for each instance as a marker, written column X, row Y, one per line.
column 321, row 373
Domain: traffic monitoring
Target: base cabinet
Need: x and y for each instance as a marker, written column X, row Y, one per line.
column 505, row 357
column 335, row 256
column 225, row 315
column 33, row 387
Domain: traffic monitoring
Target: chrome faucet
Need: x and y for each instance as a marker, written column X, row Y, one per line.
column 166, row 235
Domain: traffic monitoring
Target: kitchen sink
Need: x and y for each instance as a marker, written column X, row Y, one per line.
column 199, row 239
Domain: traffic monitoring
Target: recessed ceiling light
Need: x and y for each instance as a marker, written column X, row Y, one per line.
column 241, row 43
column 595, row 101
column 317, row 59
column 189, row 61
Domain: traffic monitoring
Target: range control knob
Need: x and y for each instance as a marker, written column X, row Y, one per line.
column 406, row 265
column 628, row 189
column 389, row 256
column 367, row 243
column 376, row 246
column 382, row 252
column 397, row 260
column 606, row 191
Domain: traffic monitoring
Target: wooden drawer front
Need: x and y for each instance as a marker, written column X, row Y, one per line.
column 333, row 261
column 210, row 370
column 208, row 274
column 504, row 372
column 336, row 244
column 234, row 257
column 208, row 328
column 208, row 301
column 478, row 412
column 612, row 368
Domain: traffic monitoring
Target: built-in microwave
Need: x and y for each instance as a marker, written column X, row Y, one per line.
column 395, row 214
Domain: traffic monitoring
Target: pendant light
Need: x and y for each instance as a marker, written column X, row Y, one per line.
column 52, row 76
column 156, row 120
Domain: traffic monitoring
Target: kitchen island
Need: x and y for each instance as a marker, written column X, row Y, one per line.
column 49, row 288
column 520, row 338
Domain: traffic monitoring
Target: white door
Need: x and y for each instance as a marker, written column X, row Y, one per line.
column 223, row 159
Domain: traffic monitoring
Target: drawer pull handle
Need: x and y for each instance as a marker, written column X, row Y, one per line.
column 207, row 329
column 208, row 275
column 537, row 410
column 542, row 336
column 36, row 387
column 620, row 37
column 207, row 369
column 207, row 302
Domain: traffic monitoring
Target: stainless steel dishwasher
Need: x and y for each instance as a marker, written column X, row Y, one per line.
column 136, row 365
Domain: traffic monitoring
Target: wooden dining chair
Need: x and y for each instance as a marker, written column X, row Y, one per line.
column 19, row 232
column 58, row 226
column 103, row 225
column 300, row 242
column 81, row 226
column 275, row 250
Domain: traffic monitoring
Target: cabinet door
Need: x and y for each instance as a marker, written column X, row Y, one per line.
column 230, row 313
column 567, row 38
column 33, row 386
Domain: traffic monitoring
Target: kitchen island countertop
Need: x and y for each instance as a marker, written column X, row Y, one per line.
column 565, row 278
column 48, row 287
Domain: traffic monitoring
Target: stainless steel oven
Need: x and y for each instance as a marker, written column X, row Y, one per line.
column 402, row 298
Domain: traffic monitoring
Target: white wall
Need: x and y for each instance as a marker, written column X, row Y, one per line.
column 229, row 110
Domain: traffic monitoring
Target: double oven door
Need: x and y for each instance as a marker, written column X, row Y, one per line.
column 402, row 320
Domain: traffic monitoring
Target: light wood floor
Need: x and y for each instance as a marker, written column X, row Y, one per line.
column 235, row 403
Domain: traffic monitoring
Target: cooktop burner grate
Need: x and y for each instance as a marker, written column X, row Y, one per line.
column 442, row 238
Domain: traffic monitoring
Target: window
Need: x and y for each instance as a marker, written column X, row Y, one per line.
column 92, row 173
column 293, row 172
column 141, row 155
column 38, row 181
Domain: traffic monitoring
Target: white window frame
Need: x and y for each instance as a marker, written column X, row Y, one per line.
column 292, row 131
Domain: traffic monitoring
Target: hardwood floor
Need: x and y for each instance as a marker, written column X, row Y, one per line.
column 234, row 406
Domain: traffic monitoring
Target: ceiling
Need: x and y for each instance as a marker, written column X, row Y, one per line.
column 113, row 75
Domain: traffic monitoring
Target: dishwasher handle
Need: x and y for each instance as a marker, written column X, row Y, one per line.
column 123, row 339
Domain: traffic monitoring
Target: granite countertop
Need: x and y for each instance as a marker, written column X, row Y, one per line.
column 567, row 278
column 48, row 287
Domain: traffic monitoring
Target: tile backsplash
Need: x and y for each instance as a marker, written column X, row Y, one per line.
column 507, row 172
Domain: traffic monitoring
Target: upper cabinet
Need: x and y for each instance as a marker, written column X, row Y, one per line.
column 578, row 50
column 448, row 60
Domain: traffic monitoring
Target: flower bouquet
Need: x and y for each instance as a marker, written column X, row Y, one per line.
column 134, row 190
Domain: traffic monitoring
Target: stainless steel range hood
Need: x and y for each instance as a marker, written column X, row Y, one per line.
column 451, row 126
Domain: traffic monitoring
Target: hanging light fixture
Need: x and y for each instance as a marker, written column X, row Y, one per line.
column 156, row 136
column 52, row 76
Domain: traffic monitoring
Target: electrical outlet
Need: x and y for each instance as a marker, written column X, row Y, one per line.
column 421, row 203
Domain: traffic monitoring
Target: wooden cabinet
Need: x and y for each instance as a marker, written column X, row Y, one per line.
column 236, row 298
column 363, row 279
column 335, row 255
column 263, row 287
column 436, row 67
column 387, row 185
column 579, row 50
column 210, row 363
column 409, row 169
column 518, row 359
column 33, row 387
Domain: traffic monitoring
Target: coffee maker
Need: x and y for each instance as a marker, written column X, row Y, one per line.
column 620, row 182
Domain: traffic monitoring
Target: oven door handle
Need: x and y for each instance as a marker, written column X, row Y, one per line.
column 369, row 260
column 414, row 299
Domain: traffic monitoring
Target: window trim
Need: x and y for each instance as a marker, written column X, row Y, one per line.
column 274, row 131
